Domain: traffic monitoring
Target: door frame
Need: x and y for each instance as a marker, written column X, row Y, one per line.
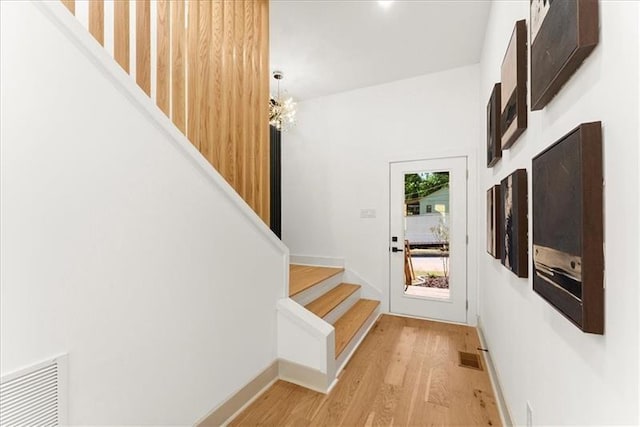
column 475, row 220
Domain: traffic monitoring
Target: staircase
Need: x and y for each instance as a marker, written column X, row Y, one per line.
column 322, row 294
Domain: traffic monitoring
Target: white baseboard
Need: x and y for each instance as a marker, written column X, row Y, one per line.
column 280, row 369
column 304, row 376
column 505, row 415
column 241, row 399
column 321, row 261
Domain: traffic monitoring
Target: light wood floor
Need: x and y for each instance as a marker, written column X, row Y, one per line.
column 405, row 373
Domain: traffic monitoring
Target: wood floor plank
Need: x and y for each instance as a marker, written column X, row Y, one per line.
column 362, row 397
column 401, row 356
column 348, row 325
column 302, row 277
column 327, row 302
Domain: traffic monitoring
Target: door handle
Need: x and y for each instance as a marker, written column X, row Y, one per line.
column 394, row 249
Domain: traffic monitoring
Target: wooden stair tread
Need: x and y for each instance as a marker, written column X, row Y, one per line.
column 348, row 325
column 327, row 302
column 302, row 277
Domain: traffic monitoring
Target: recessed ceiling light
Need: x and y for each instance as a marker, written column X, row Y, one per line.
column 385, row 4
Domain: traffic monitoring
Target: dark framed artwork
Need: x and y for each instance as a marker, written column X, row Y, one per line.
column 513, row 76
column 563, row 34
column 513, row 223
column 493, row 221
column 494, row 146
column 568, row 257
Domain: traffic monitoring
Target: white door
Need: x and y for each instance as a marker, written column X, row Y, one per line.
column 428, row 238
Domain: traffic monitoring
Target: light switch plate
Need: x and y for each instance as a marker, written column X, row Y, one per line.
column 367, row 213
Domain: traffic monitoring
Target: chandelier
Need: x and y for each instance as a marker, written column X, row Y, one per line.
column 282, row 112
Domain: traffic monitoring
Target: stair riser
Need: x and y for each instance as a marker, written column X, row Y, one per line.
column 316, row 291
column 342, row 308
column 344, row 357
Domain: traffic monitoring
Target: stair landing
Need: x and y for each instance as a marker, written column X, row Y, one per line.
column 302, row 277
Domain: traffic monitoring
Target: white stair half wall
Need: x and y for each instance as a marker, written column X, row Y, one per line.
column 307, row 342
column 119, row 241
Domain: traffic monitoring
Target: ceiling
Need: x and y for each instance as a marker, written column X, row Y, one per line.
column 325, row 46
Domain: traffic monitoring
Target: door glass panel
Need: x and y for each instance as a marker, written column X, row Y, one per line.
column 426, row 229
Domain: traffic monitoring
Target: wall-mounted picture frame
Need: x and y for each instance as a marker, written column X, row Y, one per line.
column 513, row 223
column 494, row 144
column 568, row 259
column 493, row 222
column 563, row 34
column 513, row 80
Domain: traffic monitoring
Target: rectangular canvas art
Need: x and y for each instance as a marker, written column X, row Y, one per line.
column 513, row 222
column 568, row 258
column 494, row 146
column 513, row 120
column 563, row 34
column 493, row 221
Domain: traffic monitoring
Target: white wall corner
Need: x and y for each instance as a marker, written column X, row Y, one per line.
column 368, row 290
column 503, row 408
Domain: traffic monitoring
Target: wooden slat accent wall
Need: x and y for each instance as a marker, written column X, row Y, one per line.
column 212, row 78
column 162, row 71
column 217, row 41
column 96, row 20
column 178, row 50
column 121, row 33
column 263, row 112
column 192, row 73
column 143, row 45
column 203, row 96
column 71, row 5
column 228, row 87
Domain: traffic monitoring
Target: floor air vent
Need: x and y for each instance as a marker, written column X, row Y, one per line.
column 470, row 360
column 34, row 396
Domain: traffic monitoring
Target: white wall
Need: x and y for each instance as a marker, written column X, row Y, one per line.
column 567, row 376
column 120, row 245
column 336, row 162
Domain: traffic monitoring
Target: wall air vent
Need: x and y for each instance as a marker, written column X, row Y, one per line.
column 35, row 396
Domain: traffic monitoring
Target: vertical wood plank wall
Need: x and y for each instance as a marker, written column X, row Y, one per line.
column 96, row 20
column 212, row 78
column 71, row 5
column 162, row 71
column 143, row 45
column 178, row 50
column 121, row 33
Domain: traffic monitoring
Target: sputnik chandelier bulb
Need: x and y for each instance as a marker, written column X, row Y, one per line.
column 282, row 112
